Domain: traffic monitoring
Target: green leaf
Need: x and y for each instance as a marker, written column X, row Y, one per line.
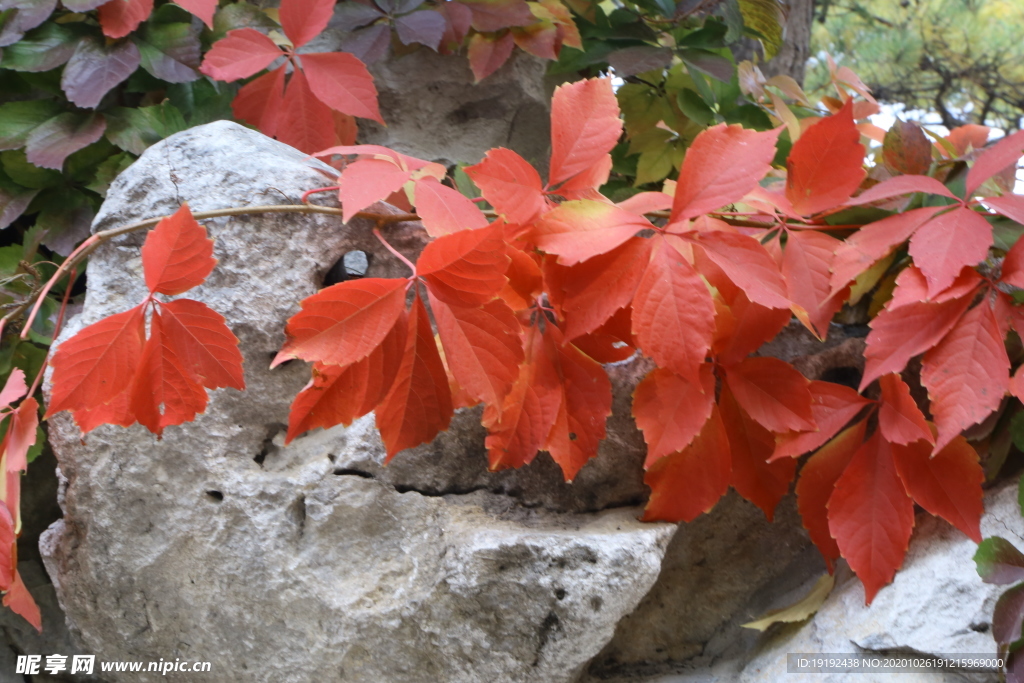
column 654, row 165
column 239, row 15
column 464, row 184
column 733, row 19
column 80, row 167
column 203, row 101
column 712, row 35
column 649, row 140
column 999, row 561
column 108, row 170
column 134, row 130
column 170, row 52
column 749, row 116
column 765, row 18
column 25, row 174
column 18, row 119
column 694, row 107
column 45, row 48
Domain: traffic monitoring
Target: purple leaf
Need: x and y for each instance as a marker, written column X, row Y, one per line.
column 1008, row 614
column 348, row 16
column 171, row 52
column 634, row 60
column 369, row 44
column 51, row 143
column 425, row 28
column 27, row 15
column 494, row 15
column 719, row 68
column 95, row 68
column 67, row 223
column 13, row 204
column 83, row 5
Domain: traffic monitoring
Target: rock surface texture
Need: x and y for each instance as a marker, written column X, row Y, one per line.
column 311, row 562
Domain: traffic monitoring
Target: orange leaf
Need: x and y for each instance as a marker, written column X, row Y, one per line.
column 897, row 336
column 21, row 435
column 177, row 255
column 305, row 122
column 912, row 287
column 343, row 323
column 510, row 184
column 825, row 164
column 203, row 344
column 832, row 406
column 746, row 262
column 899, row 418
column 14, row 388
column 367, row 181
column 163, row 392
column 582, row 229
column 244, row 52
column 817, row 481
column 466, row 268
column 871, row 515
column 806, row 269
column 525, row 280
column 419, row 404
column 722, row 165
column 994, row 159
column 487, row 53
column 483, row 345
column 118, row 411
column 671, row 410
column 690, row 482
column 341, row 81
column 948, row 484
column 585, row 125
column 761, row 482
column 967, row 373
column 260, row 101
column 611, row 342
column 98, row 363
column 899, row 186
column 673, row 314
column 18, row 598
column 444, row 210
column 751, row 326
column 944, row 245
column 118, row 18
column 337, row 395
column 772, row 392
column 303, row 20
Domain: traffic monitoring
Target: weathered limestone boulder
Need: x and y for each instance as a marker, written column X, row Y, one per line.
column 312, row 562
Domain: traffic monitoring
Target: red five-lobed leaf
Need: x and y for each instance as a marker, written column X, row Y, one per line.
column 807, row 271
column 671, row 410
column 241, row 54
column 203, row 344
column 511, row 185
column 585, row 125
column 899, row 418
column 772, row 392
column 177, row 255
column 303, row 20
column 825, row 164
column 444, row 210
column 579, row 230
column 832, row 406
column 341, row 81
column 465, row 268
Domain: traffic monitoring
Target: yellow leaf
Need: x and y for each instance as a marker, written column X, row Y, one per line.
column 798, row 611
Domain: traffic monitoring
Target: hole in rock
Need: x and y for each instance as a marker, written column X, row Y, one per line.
column 342, row 471
column 215, row 495
column 352, row 265
column 849, row 377
column 560, row 594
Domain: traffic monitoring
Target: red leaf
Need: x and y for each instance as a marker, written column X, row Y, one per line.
column 260, row 102
column 203, row 344
column 747, row 264
column 671, row 410
column 899, row 418
column 772, row 392
column 419, row 404
column 244, row 52
column 901, row 185
column 761, row 482
column 585, row 125
column 343, row 323
column 806, row 269
column 874, row 242
column 494, row 15
column 483, row 345
column 305, row 122
column 465, row 268
column 487, row 53
column 118, row 411
column 1010, row 205
column 525, row 280
column 825, row 164
column 17, row 597
column 944, row 245
column 967, row 373
column 586, row 403
column 948, row 484
column 690, row 482
column 177, row 255
column 14, row 388
column 341, row 81
column 897, row 336
column 530, row 410
column 21, row 435
column 580, row 230
column 673, row 315
column 1013, row 265
column 510, row 184
column 906, row 149
column 832, row 406
column 871, row 515
column 721, row 166
column 817, row 481
column 595, row 289
column 337, row 395
column 611, row 342
column 203, row 9
column 912, row 288
column 163, row 393
column 118, row 18
column 753, row 325
column 98, row 363
column 8, row 549
column 367, row 181
column 444, row 210
column 994, row 159
column 303, row 20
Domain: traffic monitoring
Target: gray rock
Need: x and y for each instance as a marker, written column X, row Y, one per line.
column 310, row 562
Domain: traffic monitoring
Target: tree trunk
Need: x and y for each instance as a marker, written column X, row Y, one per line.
column 796, row 47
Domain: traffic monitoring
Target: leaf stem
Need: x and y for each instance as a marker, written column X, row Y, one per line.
column 398, row 254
